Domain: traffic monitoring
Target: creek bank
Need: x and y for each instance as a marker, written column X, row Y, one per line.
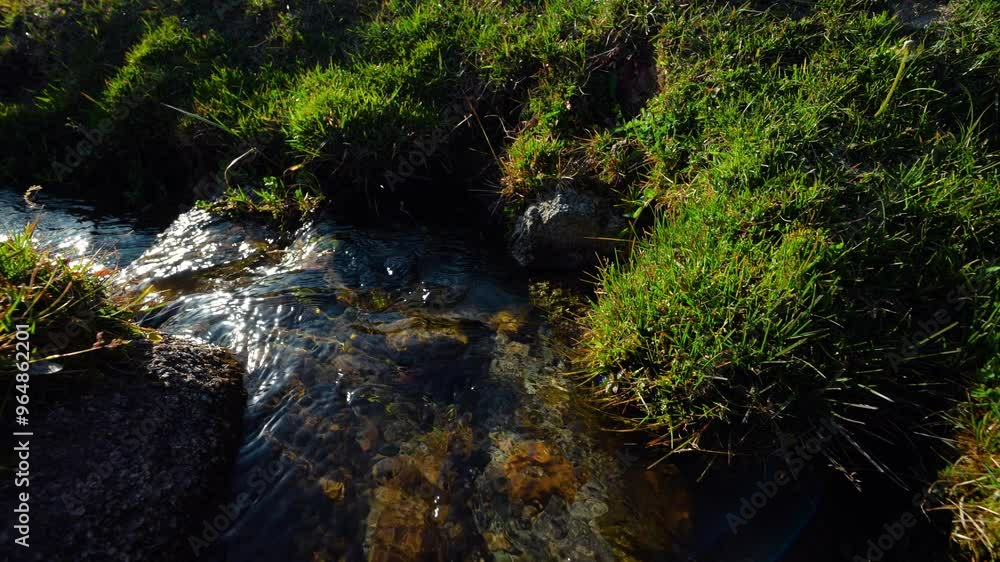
column 124, row 466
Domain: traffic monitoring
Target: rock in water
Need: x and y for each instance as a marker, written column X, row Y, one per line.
column 534, row 473
column 129, row 466
column 563, row 230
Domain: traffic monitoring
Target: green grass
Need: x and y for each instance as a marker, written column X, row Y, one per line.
column 68, row 309
column 335, row 93
column 273, row 200
column 814, row 211
column 970, row 484
column 76, row 323
column 814, row 186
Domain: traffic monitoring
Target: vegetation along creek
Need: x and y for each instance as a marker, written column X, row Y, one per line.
column 325, row 280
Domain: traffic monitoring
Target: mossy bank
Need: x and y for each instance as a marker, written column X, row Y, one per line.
column 807, row 192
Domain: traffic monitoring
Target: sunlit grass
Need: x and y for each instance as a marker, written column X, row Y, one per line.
column 68, row 308
column 823, row 192
column 810, row 183
column 284, row 204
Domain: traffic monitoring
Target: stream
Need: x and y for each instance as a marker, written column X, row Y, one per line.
column 405, row 401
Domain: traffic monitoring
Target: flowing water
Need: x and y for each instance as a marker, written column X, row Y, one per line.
column 402, row 401
column 76, row 229
column 405, row 402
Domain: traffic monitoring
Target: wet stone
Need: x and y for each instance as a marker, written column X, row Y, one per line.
column 414, row 339
column 534, row 473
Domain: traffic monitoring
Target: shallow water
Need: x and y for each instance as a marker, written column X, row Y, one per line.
column 405, row 402
column 75, row 228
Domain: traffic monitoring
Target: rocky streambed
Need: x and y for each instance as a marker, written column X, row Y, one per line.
column 400, row 400
column 405, row 401
column 394, row 396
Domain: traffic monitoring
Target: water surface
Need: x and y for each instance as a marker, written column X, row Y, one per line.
column 406, row 402
column 75, row 228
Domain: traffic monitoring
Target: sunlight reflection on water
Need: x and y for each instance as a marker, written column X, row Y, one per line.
column 381, row 392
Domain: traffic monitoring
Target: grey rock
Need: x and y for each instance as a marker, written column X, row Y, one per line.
column 562, row 230
column 919, row 14
column 125, row 466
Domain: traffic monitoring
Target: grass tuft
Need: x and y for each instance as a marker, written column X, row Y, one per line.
column 822, row 184
column 69, row 306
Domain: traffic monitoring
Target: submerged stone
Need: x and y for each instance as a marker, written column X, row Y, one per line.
column 534, row 473
column 332, row 488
